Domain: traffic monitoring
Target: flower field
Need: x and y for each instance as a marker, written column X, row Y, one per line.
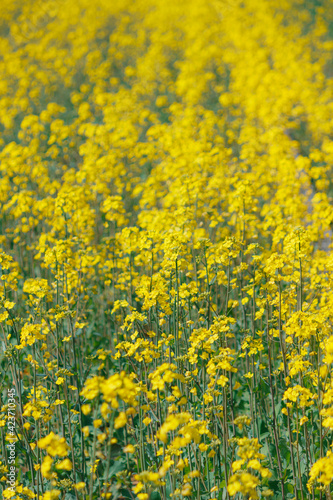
column 166, row 218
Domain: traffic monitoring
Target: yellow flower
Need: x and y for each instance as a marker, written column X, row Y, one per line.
column 86, row 409
column 85, row 431
column 8, row 493
column 54, row 445
column 194, row 473
column 186, row 490
column 120, row 420
column 51, row 495
column 129, row 449
column 65, row 464
column 46, row 466
column 80, row 485
column 102, row 437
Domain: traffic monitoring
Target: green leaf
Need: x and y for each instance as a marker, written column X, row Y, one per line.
column 155, row 495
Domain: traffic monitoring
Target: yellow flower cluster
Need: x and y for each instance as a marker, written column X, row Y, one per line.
column 166, row 269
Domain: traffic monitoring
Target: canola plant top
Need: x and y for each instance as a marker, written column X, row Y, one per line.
column 166, row 231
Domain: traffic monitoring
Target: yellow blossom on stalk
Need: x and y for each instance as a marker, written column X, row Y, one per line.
column 171, row 423
column 129, row 448
column 241, row 421
column 244, row 483
column 51, row 495
column 120, row 420
column 86, row 409
column 8, row 493
column 243, row 480
column 54, row 445
column 302, row 394
column 65, row 464
column 79, row 486
column 166, row 266
column 117, row 385
column 321, row 471
column 46, row 466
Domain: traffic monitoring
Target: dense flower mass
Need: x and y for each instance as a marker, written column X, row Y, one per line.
column 166, row 217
